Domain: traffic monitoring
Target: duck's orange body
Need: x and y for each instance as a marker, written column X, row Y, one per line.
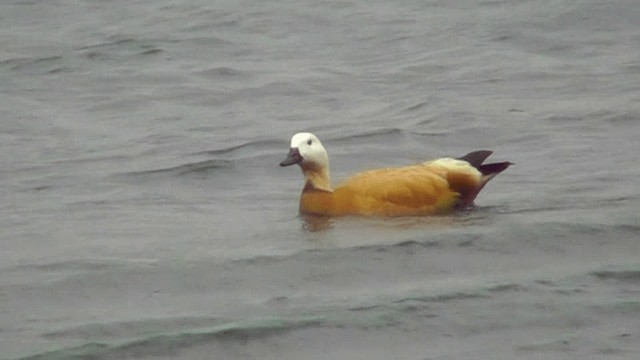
column 433, row 187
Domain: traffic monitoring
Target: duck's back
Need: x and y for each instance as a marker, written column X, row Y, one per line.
column 411, row 190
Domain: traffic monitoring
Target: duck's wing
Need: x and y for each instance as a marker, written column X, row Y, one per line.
column 412, row 190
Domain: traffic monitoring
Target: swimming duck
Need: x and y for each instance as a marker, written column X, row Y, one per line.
column 433, row 187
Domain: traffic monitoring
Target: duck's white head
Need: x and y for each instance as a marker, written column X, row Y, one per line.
column 307, row 151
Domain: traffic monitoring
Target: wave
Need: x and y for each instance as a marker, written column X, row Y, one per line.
column 371, row 134
column 222, row 159
column 251, row 147
column 445, row 297
column 114, row 46
column 199, row 167
column 480, row 292
column 164, row 337
column 170, row 343
column 51, row 64
column 95, row 264
column 401, row 246
column 221, row 72
column 622, row 275
column 62, row 266
column 619, row 117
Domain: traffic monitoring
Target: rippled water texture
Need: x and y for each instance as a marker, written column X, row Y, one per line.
column 144, row 214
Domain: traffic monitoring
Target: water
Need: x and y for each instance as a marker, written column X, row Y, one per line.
column 145, row 215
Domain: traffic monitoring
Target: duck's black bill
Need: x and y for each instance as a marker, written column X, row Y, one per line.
column 293, row 157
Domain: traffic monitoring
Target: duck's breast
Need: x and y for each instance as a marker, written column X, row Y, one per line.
column 317, row 202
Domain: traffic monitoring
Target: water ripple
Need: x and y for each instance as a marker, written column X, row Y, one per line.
column 200, row 167
column 170, row 343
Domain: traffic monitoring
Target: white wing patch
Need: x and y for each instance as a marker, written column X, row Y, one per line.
column 456, row 165
column 449, row 163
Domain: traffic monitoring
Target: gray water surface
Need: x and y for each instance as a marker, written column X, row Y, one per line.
column 144, row 214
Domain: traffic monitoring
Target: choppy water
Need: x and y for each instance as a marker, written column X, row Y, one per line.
column 144, row 214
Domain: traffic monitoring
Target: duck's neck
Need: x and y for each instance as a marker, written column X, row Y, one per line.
column 316, row 178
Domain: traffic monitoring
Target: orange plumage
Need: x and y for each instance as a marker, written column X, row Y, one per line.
column 433, row 187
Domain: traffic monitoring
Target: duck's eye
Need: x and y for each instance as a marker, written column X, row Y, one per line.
column 309, row 142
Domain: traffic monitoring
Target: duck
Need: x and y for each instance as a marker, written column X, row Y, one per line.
column 433, row 187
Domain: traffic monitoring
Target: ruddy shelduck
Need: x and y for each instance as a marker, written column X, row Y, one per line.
column 433, row 187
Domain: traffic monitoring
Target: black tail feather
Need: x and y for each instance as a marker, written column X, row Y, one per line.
column 476, row 158
column 495, row 168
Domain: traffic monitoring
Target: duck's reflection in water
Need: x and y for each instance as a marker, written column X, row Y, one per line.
column 315, row 223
